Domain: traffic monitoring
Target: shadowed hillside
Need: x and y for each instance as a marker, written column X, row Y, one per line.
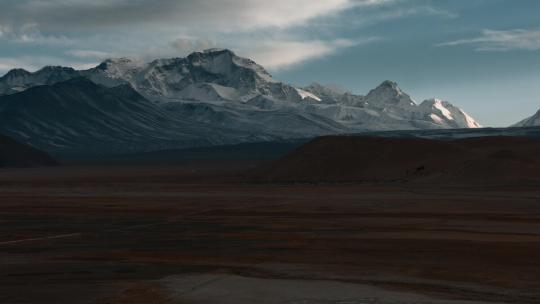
column 374, row 159
column 14, row 154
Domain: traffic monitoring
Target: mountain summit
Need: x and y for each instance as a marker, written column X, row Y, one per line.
column 387, row 94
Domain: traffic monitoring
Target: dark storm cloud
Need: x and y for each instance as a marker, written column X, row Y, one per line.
column 223, row 14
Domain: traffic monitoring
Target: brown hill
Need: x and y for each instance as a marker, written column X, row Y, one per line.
column 15, row 154
column 377, row 159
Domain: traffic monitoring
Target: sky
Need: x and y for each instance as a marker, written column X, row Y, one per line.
column 481, row 55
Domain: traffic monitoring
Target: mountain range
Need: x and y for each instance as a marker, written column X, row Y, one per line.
column 207, row 98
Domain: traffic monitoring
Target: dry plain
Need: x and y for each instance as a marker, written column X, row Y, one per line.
column 202, row 233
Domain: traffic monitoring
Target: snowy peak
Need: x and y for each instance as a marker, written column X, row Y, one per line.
column 388, row 94
column 212, row 53
column 389, row 107
column 213, row 60
column 118, row 67
column 438, row 105
column 209, row 74
column 446, row 114
column 389, row 87
column 225, row 62
column 389, row 84
column 116, row 63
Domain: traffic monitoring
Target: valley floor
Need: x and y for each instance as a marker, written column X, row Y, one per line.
column 200, row 234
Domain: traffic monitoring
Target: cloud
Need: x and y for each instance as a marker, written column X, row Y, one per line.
column 419, row 10
column 186, row 45
column 501, row 41
column 3, row 31
column 218, row 15
column 30, row 33
column 272, row 52
column 8, row 63
column 283, row 54
column 365, row 16
column 277, row 34
column 89, row 54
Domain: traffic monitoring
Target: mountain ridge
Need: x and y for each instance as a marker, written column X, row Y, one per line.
column 209, row 90
column 531, row 121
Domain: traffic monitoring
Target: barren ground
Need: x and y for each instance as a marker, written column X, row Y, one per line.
column 198, row 234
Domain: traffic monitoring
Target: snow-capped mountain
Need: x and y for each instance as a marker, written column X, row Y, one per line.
column 79, row 116
column 209, row 97
column 212, row 75
column 532, row 121
column 387, row 107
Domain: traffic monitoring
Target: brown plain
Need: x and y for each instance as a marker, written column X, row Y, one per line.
column 136, row 234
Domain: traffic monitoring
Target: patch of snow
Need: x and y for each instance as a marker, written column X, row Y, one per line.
column 471, row 123
column 436, row 118
column 225, row 92
column 444, row 111
column 306, row 94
